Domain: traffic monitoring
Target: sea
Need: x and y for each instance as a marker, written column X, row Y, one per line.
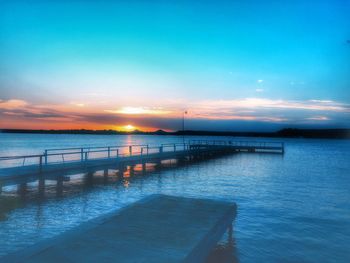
column 291, row 208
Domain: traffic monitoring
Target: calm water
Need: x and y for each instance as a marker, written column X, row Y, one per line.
column 292, row 208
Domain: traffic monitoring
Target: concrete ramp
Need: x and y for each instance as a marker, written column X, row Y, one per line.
column 158, row 228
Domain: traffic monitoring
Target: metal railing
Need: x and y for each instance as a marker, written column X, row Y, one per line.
column 66, row 155
column 257, row 144
column 83, row 154
column 96, row 152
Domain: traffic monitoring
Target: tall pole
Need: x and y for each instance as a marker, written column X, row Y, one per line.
column 183, row 126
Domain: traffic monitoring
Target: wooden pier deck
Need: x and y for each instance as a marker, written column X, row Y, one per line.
column 156, row 229
column 59, row 164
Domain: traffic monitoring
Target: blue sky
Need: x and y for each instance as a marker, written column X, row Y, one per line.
column 232, row 64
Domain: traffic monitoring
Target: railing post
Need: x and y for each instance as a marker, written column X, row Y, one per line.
column 117, row 153
column 86, row 156
column 82, row 154
column 41, row 181
column 161, row 149
column 141, row 150
column 45, row 157
column 109, row 152
column 147, row 149
column 130, row 150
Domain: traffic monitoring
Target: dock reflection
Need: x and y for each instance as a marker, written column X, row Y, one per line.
column 225, row 251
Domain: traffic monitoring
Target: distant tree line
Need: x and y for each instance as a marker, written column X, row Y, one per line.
column 284, row 133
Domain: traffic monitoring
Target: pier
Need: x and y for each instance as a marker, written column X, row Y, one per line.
column 59, row 164
column 158, row 228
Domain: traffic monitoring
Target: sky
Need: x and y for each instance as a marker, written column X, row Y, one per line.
column 124, row 65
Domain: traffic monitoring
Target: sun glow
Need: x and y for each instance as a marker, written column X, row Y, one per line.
column 129, row 127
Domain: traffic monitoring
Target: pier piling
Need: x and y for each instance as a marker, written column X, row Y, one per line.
column 22, row 189
column 105, row 175
column 132, row 170
column 144, row 167
column 121, row 170
column 59, row 186
column 41, row 185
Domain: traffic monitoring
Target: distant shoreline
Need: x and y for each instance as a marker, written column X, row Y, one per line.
column 284, row 133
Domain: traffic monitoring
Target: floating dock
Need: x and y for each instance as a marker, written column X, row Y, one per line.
column 156, row 229
column 59, row 164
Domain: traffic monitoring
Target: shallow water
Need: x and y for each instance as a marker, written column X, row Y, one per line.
column 291, row 208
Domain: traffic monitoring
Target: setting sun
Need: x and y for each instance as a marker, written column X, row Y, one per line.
column 129, row 127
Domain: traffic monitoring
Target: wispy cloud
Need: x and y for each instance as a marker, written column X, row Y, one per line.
column 138, row 110
column 318, row 118
column 12, row 104
column 258, row 103
column 322, row 101
column 169, row 114
column 269, row 110
column 78, row 104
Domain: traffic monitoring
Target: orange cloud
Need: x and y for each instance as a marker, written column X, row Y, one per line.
column 12, row 104
column 138, row 110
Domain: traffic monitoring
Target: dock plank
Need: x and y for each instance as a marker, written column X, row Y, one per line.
column 159, row 228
